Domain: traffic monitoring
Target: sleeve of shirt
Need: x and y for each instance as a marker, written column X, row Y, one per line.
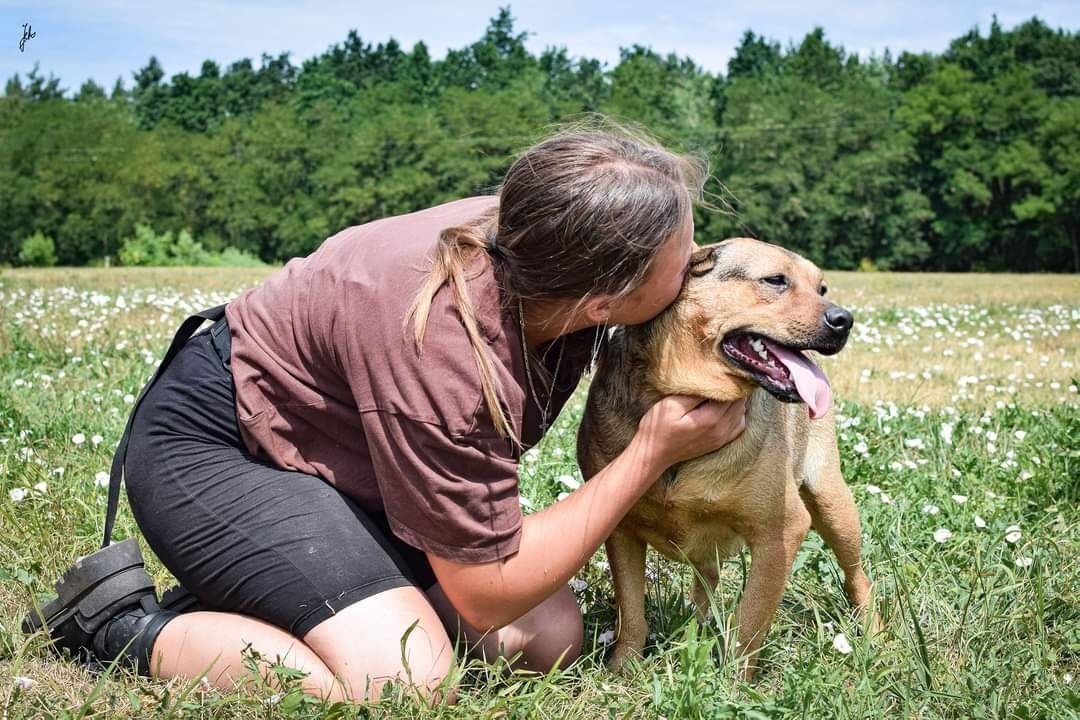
column 456, row 498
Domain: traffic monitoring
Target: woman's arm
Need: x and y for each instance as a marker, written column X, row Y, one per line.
column 557, row 541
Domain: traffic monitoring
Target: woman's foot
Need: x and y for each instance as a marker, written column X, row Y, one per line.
column 106, row 608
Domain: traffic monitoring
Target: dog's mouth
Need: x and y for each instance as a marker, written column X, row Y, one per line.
column 782, row 370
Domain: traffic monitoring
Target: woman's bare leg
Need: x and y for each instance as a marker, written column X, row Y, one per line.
column 362, row 644
column 212, row 643
column 548, row 634
column 352, row 654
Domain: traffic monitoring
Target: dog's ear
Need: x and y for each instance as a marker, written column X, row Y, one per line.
column 703, row 260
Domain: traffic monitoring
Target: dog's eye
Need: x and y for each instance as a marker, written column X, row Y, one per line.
column 824, row 289
column 777, row 281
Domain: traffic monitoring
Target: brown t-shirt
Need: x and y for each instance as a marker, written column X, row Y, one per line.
column 329, row 384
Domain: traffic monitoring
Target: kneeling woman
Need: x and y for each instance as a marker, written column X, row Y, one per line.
column 334, row 462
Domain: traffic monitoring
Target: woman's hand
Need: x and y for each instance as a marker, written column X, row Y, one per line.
column 681, row 427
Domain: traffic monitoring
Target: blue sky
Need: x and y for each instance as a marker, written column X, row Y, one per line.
column 104, row 39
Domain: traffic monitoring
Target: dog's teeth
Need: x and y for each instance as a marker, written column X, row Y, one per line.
column 762, row 354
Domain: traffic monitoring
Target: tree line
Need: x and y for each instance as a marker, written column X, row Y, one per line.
column 967, row 160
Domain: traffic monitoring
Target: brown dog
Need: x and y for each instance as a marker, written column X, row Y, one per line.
column 736, row 329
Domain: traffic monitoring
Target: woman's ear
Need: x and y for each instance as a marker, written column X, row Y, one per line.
column 597, row 310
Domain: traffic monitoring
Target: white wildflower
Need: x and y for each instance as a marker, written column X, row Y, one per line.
column 42, row 487
column 78, row 438
column 1020, row 435
column 569, row 481
column 959, row 499
column 942, row 535
column 979, row 522
column 840, row 642
column 930, row 509
column 96, row 439
column 873, row 489
column 1012, row 534
column 606, row 637
column 1023, row 561
column 24, row 683
column 578, row 585
column 17, row 494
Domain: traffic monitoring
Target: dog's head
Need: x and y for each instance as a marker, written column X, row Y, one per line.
column 748, row 310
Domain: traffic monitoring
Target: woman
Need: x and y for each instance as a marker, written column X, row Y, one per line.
column 332, row 466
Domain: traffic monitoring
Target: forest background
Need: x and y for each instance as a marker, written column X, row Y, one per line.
column 967, row 160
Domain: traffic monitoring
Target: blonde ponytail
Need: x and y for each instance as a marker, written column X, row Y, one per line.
column 456, row 248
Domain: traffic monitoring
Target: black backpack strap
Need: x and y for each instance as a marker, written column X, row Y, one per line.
column 187, row 329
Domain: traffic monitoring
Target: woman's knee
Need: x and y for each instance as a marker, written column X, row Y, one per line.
column 556, row 632
column 214, row 645
column 393, row 636
column 549, row 634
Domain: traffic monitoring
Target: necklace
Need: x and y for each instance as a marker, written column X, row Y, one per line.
column 544, row 424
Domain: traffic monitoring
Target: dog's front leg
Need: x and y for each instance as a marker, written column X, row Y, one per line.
column 626, row 555
column 772, row 552
column 706, row 576
column 836, row 520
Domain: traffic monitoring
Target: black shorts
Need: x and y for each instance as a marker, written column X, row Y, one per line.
column 240, row 533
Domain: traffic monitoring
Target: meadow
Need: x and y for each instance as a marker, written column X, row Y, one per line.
column 959, row 431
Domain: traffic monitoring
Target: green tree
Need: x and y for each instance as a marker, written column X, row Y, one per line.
column 150, row 95
column 813, row 160
column 38, row 250
column 954, row 161
column 90, row 91
column 1050, row 165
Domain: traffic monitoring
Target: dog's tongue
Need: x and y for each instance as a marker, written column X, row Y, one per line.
column 810, row 382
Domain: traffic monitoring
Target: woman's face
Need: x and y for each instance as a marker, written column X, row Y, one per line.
column 662, row 283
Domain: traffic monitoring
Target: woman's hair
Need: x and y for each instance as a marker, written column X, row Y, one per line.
column 581, row 213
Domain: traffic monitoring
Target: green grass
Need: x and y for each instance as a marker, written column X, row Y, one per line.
column 972, row 628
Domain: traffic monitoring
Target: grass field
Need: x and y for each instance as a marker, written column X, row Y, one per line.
column 959, row 432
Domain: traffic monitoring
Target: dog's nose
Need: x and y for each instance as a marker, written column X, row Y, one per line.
column 838, row 319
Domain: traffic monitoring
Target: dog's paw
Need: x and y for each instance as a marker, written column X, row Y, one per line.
column 623, row 659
